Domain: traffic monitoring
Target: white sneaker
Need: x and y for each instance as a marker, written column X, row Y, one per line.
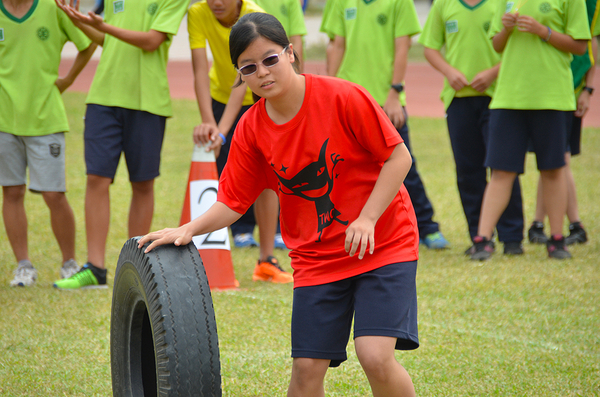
column 69, row 268
column 25, row 275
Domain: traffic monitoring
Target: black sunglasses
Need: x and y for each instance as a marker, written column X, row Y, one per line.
column 269, row 61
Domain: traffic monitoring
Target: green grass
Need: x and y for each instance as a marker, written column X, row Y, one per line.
column 506, row 327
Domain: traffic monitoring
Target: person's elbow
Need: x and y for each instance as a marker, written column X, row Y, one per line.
column 580, row 47
column 154, row 41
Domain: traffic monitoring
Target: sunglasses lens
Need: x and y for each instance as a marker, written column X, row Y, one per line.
column 248, row 69
column 271, row 60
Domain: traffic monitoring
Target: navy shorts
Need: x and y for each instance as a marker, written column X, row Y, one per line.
column 575, row 135
column 110, row 131
column 383, row 302
column 511, row 132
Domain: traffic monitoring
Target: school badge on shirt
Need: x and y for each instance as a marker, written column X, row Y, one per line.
column 452, row 26
column 1, row 34
column 118, row 6
column 350, row 13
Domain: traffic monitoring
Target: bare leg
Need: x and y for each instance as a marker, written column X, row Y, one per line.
column 572, row 205
column 554, row 184
column 141, row 210
column 97, row 217
column 308, row 375
column 15, row 219
column 62, row 220
column 540, row 211
column 495, row 200
column 386, row 376
column 266, row 208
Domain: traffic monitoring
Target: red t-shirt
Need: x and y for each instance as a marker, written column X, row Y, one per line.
column 323, row 164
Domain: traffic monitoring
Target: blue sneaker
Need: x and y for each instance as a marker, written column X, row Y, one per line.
column 244, row 240
column 436, row 241
column 279, row 244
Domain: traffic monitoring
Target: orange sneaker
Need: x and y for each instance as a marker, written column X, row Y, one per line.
column 269, row 270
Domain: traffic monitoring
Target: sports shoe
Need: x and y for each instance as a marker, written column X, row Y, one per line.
column 536, row 233
column 513, row 248
column 436, row 241
column 244, row 240
column 69, row 268
column 557, row 248
column 269, row 270
column 279, row 244
column 25, row 275
column 88, row 277
column 482, row 249
column 577, row 234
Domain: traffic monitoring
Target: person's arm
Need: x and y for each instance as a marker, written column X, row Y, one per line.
column 216, row 217
column 560, row 41
column 208, row 127
column 335, row 55
column 583, row 102
column 80, row 61
column 455, row 77
column 392, row 106
column 147, row 41
column 482, row 80
column 94, row 35
column 297, row 46
column 361, row 232
column 509, row 21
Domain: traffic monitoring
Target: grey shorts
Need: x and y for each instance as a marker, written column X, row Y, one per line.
column 43, row 155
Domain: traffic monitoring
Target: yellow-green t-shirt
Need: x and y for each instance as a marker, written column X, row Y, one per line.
column 288, row 13
column 463, row 30
column 204, row 27
column 127, row 76
column 534, row 75
column 30, row 50
column 370, row 29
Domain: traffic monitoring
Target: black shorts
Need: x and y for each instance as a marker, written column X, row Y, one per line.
column 575, row 135
column 511, row 132
column 383, row 302
column 110, row 131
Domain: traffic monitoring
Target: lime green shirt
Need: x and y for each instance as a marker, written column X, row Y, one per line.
column 288, row 12
column 30, row 48
column 127, row 76
column 203, row 28
column 370, row 28
column 534, row 74
column 463, row 30
column 325, row 19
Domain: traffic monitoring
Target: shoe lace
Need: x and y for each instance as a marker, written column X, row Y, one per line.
column 273, row 261
column 84, row 276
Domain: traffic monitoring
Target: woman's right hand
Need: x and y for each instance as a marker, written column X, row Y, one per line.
column 456, row 79
column 208, row 135
column 178, row 236
column 509, row 21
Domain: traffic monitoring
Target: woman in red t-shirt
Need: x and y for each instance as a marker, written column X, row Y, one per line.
column 337, row 164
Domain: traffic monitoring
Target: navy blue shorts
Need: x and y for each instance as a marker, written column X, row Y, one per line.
column 110, row 131
column 383, row 302
column 512, row 130
column 575, row 135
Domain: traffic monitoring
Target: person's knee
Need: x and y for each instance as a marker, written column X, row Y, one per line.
column 144, row 188
column 55, row 199
column 378, row 367
column 309, row 371
column 14, row 194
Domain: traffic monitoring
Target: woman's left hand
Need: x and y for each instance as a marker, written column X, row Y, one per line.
column 360, row 233
column 583, row 104
column 528, row 24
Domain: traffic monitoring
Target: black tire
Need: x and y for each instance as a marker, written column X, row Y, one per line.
column 163, row 333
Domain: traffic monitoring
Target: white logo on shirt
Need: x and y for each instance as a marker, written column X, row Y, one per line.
column 118, row 6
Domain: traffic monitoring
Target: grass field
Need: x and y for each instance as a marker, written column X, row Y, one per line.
column 524, row 326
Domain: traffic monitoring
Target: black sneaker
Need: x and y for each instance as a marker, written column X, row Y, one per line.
column 536, row 233
column 577, row 234
column 482, row 249
column 513, row 248
column 557, row 248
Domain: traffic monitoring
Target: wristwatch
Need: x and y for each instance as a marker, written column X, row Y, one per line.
column 398, row 87
column 590, row 90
